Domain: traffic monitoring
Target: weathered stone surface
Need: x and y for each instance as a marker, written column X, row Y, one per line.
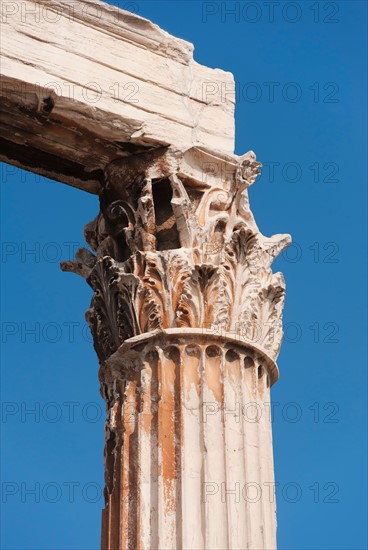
column 84, row 83
column 188, row 454
column 186, row 313
column 175, row 252
column 186, row 320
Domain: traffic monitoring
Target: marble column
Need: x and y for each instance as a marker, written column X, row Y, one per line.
column 186, row 319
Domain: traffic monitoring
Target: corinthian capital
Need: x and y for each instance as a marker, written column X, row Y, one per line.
column 176, row 247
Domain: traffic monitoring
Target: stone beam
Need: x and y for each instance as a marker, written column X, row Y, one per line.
column 84, row 83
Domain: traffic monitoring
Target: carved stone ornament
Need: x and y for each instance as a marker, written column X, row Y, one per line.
column 172, row 251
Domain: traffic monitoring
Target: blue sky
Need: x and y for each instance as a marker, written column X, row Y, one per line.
column 310, row 135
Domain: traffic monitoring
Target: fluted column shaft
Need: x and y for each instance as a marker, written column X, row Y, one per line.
column 189, row 446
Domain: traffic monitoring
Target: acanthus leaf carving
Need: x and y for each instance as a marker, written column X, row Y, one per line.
column 194, row 304
column 110, row 324
column 220, row 277
column 83, row 263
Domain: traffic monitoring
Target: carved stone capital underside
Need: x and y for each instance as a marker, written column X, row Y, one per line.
column 186, row 319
